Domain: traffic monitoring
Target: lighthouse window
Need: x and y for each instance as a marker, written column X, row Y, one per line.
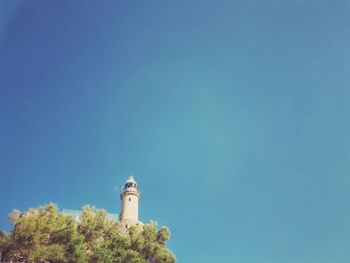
column 129, row 199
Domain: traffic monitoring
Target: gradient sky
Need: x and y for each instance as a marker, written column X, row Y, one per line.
column 232, row 115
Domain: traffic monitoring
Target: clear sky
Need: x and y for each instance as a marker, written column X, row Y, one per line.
column 232, row 115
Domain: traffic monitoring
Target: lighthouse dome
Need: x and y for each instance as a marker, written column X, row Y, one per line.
column 130, row 184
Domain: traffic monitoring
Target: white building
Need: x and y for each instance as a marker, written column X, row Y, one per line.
column 129, row 209
column 130, row 196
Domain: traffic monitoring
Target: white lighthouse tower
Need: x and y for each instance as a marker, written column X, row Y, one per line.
column 130, row 195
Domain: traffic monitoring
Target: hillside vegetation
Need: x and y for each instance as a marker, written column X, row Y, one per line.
column 45, row 235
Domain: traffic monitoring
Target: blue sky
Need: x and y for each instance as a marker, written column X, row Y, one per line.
column 232, row 115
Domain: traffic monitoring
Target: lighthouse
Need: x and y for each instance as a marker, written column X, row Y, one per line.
column 130, row 195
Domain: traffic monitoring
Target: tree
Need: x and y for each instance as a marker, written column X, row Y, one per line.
column 42, row 235
column 45, row 235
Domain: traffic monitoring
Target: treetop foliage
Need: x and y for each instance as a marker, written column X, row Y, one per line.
column 44, row 235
